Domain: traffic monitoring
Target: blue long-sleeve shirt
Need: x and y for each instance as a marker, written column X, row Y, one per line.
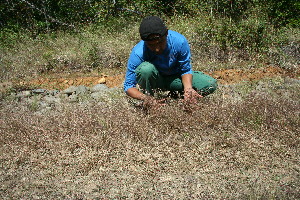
column 175, row 59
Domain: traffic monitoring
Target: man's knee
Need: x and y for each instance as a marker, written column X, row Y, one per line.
column 204, row 83
column 210, row 89
column 145, row 70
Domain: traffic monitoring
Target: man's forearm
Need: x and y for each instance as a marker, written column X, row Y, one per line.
column 187, row 81
column 135, row 93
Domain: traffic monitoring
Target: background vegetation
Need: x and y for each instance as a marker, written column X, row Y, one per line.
column 44, row 15
column 43, row 36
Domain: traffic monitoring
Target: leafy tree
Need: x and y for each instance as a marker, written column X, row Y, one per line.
column 282, row 12
column 45, row 15
column 36, row 14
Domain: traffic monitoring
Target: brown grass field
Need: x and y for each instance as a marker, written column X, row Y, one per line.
column 239, row 143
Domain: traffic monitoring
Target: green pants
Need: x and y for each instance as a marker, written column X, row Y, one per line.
column 149, row 78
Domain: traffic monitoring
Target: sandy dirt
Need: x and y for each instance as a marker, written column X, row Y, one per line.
column 224, row 76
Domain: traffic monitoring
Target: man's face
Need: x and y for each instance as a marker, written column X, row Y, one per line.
column 158, row 45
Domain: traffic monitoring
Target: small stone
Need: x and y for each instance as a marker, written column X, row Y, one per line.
column 73, row 98
column 70, row 82
column 101, row 80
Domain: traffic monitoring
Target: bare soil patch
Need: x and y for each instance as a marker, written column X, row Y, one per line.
column 229, row 76
column 224, row 76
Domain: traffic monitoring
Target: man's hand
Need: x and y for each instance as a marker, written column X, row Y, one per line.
column 191, row 96
column 151, row 102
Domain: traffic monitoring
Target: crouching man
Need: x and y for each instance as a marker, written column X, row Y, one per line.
column 162, row 60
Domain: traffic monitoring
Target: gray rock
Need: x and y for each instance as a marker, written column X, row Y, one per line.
column 43, row 104
column 25, row 93
column 69, row 90
column 51, row 99
column 98, row 95
column 291, row 81
column 114, row 89
column 43, row 100
column 62, row 96
column 99, row 87
column 260, row 86
column 39, row 91
column 53, row 92
column 81, row 90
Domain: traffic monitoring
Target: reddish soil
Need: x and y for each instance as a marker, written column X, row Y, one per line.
column 229, row 76
column 225, row 76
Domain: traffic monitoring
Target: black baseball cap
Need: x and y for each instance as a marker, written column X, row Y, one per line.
column 152, row 25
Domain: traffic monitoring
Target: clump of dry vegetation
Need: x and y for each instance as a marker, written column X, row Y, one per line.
column 239, row 143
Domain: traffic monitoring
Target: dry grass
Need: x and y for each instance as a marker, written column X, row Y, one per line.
column 240, row 143
column 222, row 148
column 86, row 51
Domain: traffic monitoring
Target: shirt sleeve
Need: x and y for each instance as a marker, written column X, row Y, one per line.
column 133, row 62
column 184, row 58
